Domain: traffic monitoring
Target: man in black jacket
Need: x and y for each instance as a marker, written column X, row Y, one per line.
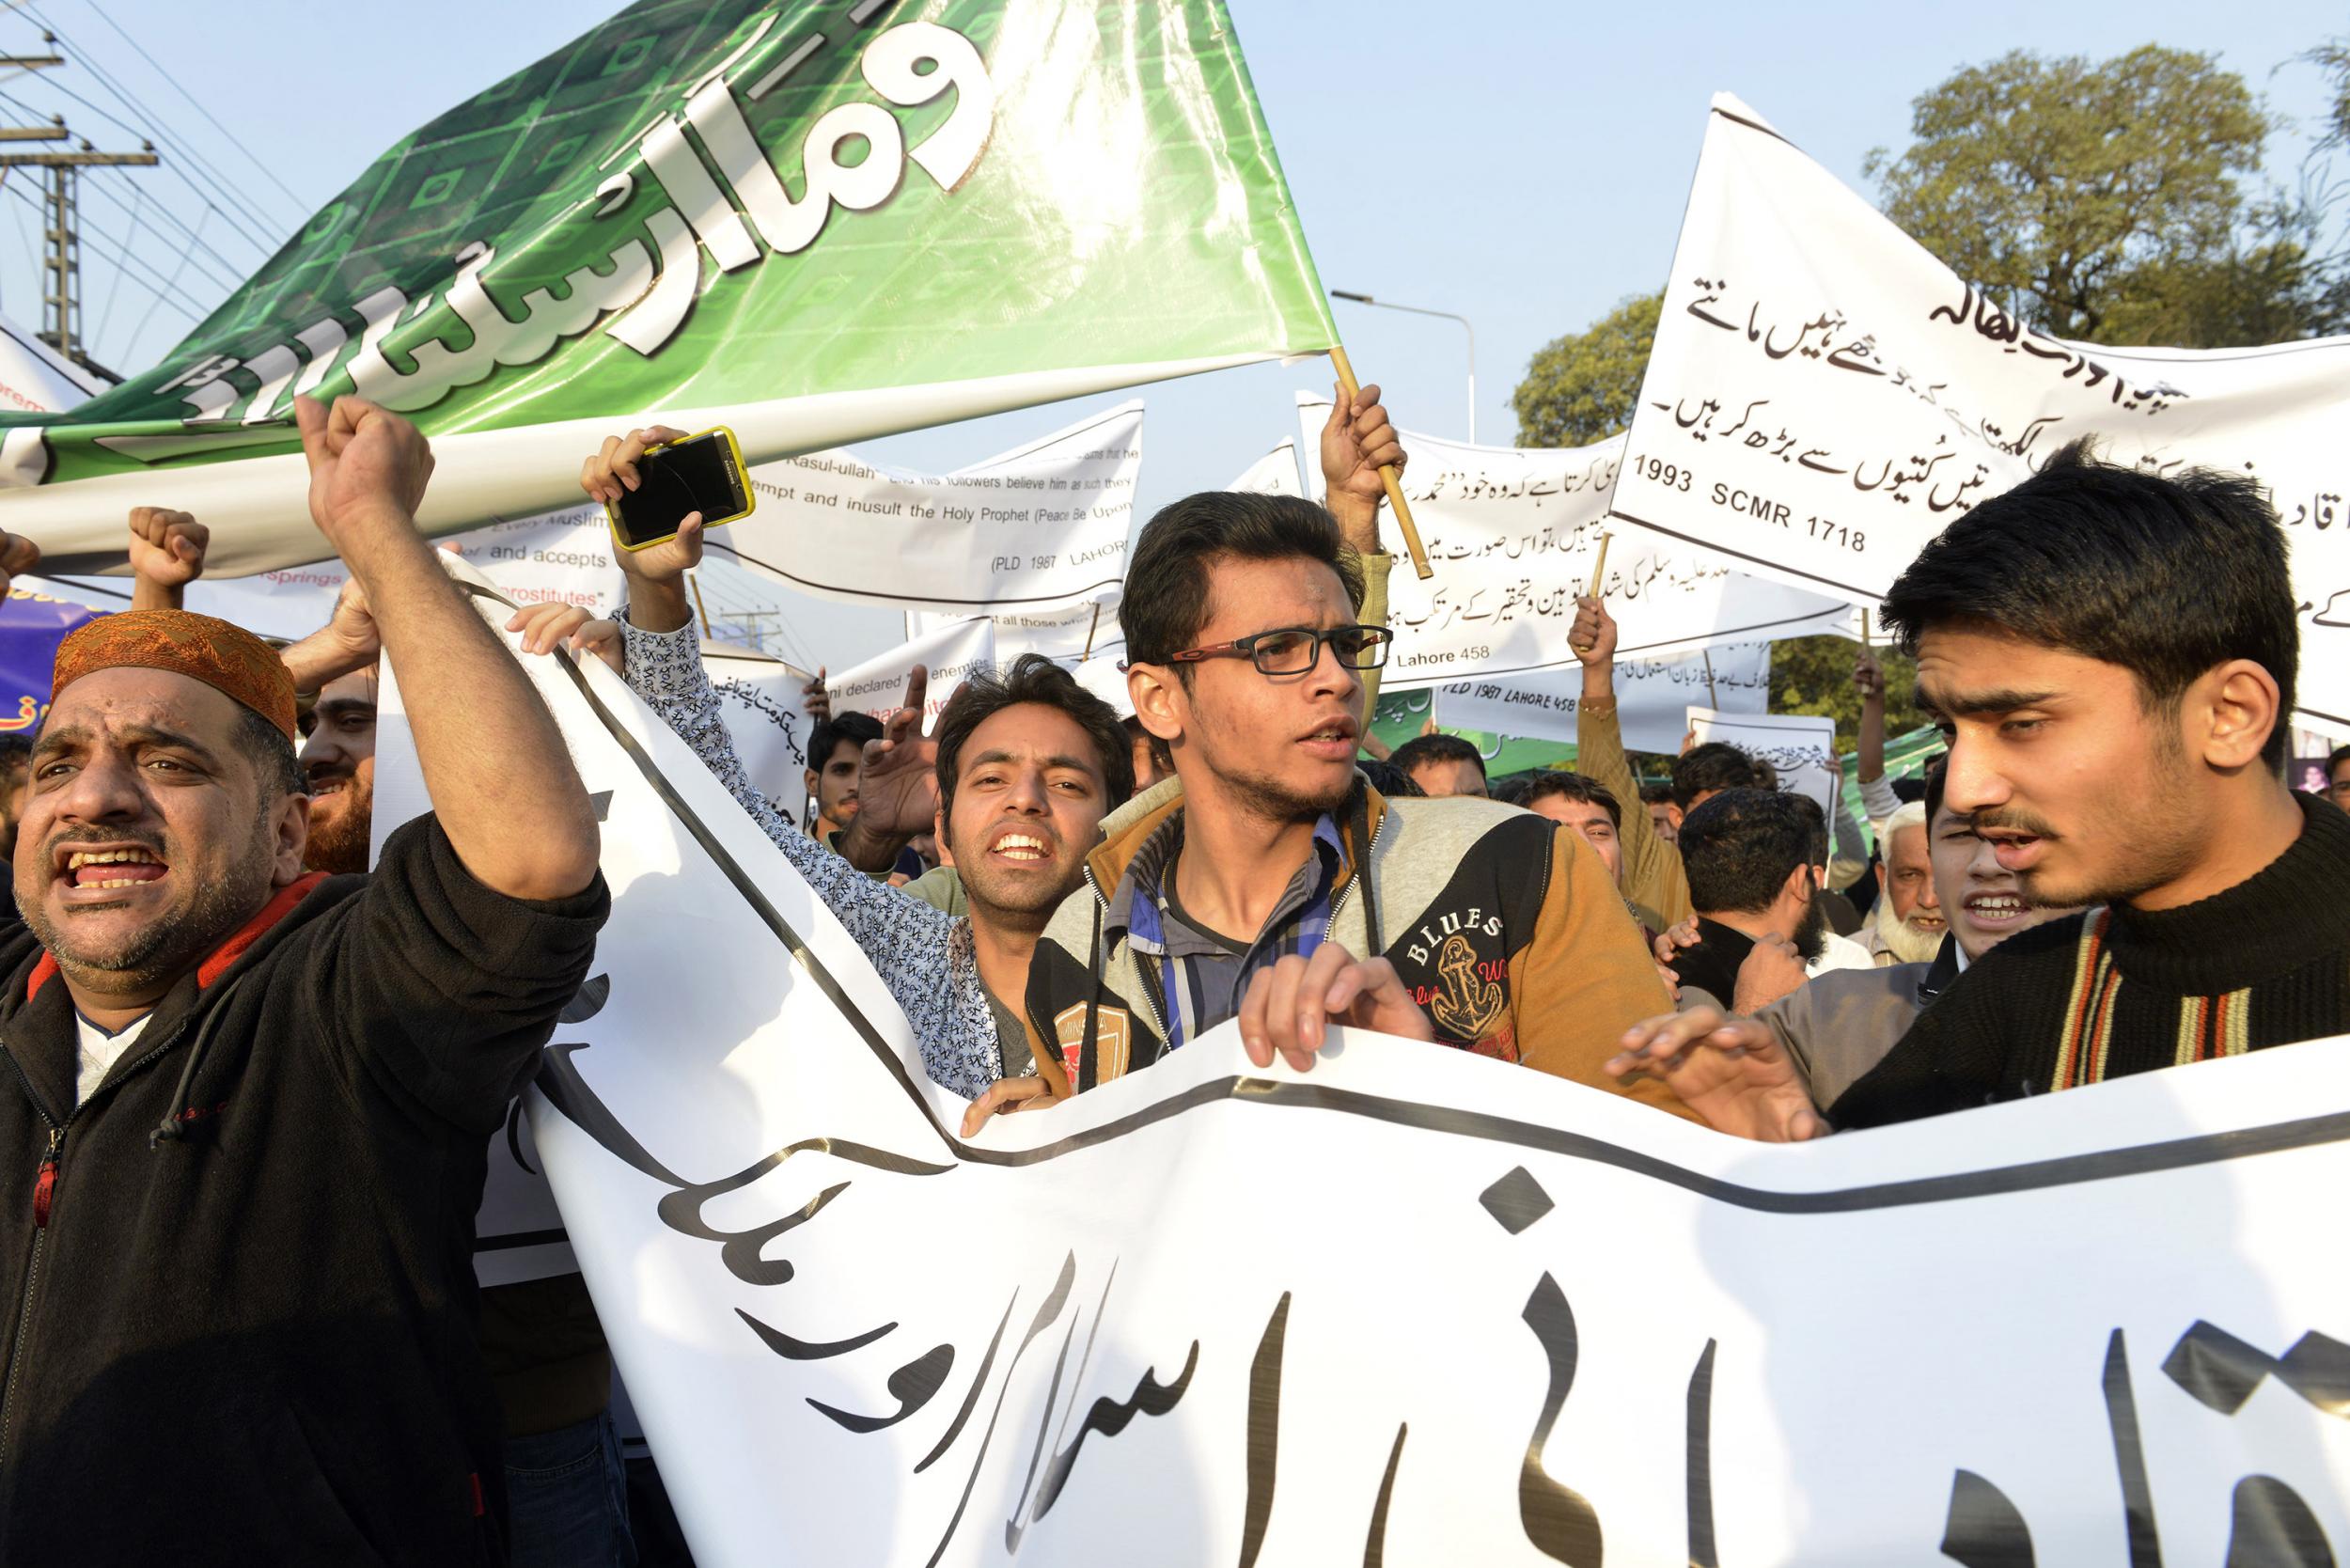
column 241, row 1128
column 2113, row 653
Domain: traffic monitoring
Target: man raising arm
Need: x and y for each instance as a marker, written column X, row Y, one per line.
column 250, row 1105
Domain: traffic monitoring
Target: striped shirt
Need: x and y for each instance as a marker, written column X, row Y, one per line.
column 1203, row 976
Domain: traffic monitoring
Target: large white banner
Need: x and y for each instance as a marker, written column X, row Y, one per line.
column 1515, row 1321
column 1800, row 747
column 1037, row 527
column 1824, row 396
column 1653, row 697
column 878, row 686
column 1497, row 1318
column 565, row 555
column 1513, row 536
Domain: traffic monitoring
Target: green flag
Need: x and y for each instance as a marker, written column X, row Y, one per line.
column 816, row 223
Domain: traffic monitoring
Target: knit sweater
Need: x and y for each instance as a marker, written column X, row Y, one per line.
column 2115, row 990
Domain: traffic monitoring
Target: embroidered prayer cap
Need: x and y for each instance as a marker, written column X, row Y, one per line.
column 226, row 657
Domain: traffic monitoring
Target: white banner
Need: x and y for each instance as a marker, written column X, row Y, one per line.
column 35, row 379
column 1513, row 536
column 1037, row 527
column 1517, row 1321
column 1275, row 473
column 1651, row 696
column 1062, row 635
column 565, row 555
column 1824, row 396
column 878, row 686
column 1800, row 747
column 763, row 700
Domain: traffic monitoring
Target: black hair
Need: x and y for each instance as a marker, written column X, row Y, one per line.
column 1817, row 817
column 1165, row 602
column 1658, row 793
column 1937, row 776
column 1715, row 765
column 1388, row 779
column 1033, row 678
column 2334, row 759
column 826, row 737
column 1571, row 786
column 16, row 758
column 1421, row 750
column 273, row 759
column 1908, row 789
column 2166, row 575
column 1740, row 847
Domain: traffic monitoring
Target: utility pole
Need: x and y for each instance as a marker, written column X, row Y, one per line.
column 61, row 244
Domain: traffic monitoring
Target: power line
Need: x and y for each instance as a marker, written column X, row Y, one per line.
column 140, row 331
column 269, row 173
column 235, row 272
column 107, row 314
column 134, row 206
column 185, row 157
column 155, row 127
column 121, row 264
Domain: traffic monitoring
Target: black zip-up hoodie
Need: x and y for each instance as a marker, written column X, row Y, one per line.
column 254, row 1342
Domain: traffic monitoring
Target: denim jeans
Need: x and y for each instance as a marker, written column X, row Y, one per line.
column 567, row 1494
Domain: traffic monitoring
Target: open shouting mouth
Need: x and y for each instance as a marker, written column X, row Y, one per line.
column 92, row 872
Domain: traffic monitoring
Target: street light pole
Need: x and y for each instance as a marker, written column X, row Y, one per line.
column 1418, row 310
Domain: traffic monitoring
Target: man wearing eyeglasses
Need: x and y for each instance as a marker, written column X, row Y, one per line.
column 1248, row 883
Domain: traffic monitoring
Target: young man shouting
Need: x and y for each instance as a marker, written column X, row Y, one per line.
column 1267, row 865
column 248, row 1109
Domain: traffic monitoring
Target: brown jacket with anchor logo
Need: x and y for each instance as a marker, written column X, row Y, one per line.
column 1509, row 931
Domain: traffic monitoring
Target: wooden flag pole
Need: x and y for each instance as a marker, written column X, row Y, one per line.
column 1387, row 474
column 695, row 582
column 1864, row 630
column 1711, row 700
column 1598, row 584
column 1090, row 630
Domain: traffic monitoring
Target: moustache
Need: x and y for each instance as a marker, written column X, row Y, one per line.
column 2014, row 821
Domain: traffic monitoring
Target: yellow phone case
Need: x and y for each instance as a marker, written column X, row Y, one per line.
column 750, row 493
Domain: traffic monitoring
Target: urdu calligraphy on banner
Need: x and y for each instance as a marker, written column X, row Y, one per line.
column 1504, row 1318
column 1824, row 396
column 1514, row 535
column 814, row 221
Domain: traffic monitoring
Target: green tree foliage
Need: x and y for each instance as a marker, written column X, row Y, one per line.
column 2106, row 200
column 1813, row 675
column 1581, row 388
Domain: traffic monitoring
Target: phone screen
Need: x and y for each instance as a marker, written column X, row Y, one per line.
column 694, row 475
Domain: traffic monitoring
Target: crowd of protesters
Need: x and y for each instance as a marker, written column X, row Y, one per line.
column 256, row 1073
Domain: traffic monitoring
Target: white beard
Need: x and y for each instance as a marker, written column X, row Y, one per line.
column 1905, row 941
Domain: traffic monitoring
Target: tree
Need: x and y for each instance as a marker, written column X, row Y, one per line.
column 1813, row 675
column 1581, row 388
column 2103, row 201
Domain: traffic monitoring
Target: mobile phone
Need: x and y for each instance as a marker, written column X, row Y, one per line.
column 700, row 474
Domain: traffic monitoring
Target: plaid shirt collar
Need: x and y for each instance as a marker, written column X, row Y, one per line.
column 1138, row 907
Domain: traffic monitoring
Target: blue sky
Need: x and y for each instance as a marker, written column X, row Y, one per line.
column 1523, row 163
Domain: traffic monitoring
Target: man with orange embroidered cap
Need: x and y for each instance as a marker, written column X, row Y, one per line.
column 242, row 1137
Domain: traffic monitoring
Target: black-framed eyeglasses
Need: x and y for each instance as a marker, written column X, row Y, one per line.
column 1295, row 649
